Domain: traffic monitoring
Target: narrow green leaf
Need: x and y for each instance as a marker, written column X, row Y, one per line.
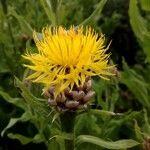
column 55, row 117
column 138, row 132
column 37, row 105
column 104, row 113
column 25, row 26
column 137, row 22
column 55, row 4
column 38, row 138
column 138, row 86
column 121, row 144
column 21, row 138
column 140, row 27
column 49, row 11
column 19, row 102
column 147, row 123
column 66, row 136
column 13, row 121
column 96, row 12
column 60, row 138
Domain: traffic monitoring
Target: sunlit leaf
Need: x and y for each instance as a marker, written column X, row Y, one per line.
column 121, row 144
column 145, row 5
column 56, row 116
column 104, row 113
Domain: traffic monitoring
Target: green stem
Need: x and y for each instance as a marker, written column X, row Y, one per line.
column 67, row 124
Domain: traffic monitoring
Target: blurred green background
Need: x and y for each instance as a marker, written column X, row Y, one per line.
column 125, row 22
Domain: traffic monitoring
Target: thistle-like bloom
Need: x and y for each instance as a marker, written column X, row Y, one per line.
column 66, row 58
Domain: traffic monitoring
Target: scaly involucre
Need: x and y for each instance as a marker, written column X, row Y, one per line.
column 65, row 58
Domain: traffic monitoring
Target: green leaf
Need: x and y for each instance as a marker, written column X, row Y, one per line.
column 138, row 132
column 121, row 144
column 11, row 123
column 25, row 26
column 37, row 105
column 104, row 113
column 38, row 138
column 137, row 22
column 19, row 102
column 55, row 4
column 111, row 126
column 6, row 64
column 49, row 10
column 21, row 138
column 96, row 12
column 56, row 116
column 25, row 117
column 88, row 123
column 138, row 86
column 63, row 135
column 140, row 27
column 147, row 123
column 4, row 67
column 99, row 92
column 145, row 5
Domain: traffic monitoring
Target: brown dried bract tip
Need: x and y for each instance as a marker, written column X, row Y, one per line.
column 116, row 72
column 146, row 144
column 76, row 99
column 24, row 37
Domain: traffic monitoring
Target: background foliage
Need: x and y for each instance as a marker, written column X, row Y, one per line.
column 121, row 107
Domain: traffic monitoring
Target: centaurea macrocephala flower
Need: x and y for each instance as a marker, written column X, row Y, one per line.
column 66, row 58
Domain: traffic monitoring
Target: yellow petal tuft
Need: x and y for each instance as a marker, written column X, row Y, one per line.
column 67, row 57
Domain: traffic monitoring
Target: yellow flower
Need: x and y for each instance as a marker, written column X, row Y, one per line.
column 65, row 58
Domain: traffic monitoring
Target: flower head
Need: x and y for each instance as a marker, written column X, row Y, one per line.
column 66, row 58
